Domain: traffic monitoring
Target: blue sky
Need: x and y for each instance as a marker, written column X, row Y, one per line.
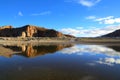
column 83, row 18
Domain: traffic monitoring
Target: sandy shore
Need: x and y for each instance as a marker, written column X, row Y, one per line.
column 55, row 40
column 35, row 40
column 98, row 41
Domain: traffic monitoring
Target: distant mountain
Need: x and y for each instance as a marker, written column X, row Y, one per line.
column 30, row 31
column 113, row 34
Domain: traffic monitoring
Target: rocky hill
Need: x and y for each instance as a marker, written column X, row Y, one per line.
column 30, row 31
column 113, row 34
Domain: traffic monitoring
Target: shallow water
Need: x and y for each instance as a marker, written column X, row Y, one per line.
column 59, row 62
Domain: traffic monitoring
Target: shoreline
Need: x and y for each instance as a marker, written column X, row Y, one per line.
column 35, row 40
column 58, row 40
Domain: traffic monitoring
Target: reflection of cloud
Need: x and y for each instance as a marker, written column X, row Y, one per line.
column 92, row 49
column 91, row 64
column 71, row 50
column 109, row 61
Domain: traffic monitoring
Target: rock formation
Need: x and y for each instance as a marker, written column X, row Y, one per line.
column 29, row 31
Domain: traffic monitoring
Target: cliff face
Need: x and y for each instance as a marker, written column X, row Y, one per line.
column 113, row 34
column 29, row 31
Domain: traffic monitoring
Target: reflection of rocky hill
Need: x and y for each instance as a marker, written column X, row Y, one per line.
column 116, row 48
column 6, row 52
column 32, row 51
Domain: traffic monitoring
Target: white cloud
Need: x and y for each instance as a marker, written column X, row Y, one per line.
column 108, row 20
column 91, row 17
column 93, row 32
column 42, row 13
column 71, row 31
column 20, row 13
column 105, row 20
column 88, row 3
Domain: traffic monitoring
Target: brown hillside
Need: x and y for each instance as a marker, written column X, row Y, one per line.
column 29, row 31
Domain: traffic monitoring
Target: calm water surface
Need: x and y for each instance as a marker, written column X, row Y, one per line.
column 59, row 62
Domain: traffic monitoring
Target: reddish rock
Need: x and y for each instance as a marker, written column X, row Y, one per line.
column 23, row 35
column 29, row 31
column 5, row 27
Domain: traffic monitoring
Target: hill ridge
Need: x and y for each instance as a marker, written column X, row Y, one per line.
column 30, row 31
column 115, row 33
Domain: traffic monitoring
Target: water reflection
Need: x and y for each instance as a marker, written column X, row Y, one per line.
column 109, row 61
column 93, row 49
column 30, row 50
column 116, row 48
column 111, row 53
column 65, row 62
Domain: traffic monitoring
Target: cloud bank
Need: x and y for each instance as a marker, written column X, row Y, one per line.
column 93, row 32
column 105, row 20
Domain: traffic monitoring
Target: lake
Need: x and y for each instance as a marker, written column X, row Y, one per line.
column 60, row 62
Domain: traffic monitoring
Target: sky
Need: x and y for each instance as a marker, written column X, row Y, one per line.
column 81, row 18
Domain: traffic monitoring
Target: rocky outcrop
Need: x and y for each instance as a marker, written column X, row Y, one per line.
column 113, row 34
column 5, row 27
column 29, row 31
